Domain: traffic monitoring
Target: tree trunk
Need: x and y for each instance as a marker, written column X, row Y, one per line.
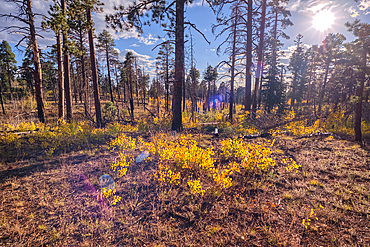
column 179, row 66
column 143, row 88
column 109, row 79
column 1, row 99
column 294, row 83
column 60, row 76
column 231, row 112
column 85, row 84
column 37, row 64
column 131, row 96
column 117, row 82
column 124, row 89
column 310, row 85
column 208, row 95
column 193, row 98
column 323, row 87
column 274, row 45
column 10, row 83
column 259, row 96
column 167, row 81
column 94, row 71
column 157, row 95
column 260, row 56
column 214, row 94
column 137, row 83
column 74, row 81
column 67, row 79
column 359, row 94
column 248, row 77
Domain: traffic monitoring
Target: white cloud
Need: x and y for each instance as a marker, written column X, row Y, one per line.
column 353, row 12
column 293, row 5
column 134, row 45
column 286, row 53
column 317, row 8
column 310, row 6
column 41, row 7
column 142, row 60
column 212, row 49
column 148, row 40
column 365, row 6
column 117, row 50
column 197, row 3
column 100, row 24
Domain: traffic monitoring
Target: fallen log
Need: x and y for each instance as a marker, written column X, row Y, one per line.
column 214, row 123
column 316, row 134
column 263, row 135
column 289, row 121
column 150, row 112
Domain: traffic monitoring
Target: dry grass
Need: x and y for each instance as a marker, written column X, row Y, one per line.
column 51, row 201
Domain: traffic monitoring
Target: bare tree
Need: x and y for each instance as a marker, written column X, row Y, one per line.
column 26, row 16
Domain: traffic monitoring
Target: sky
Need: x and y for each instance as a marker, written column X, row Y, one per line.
column 201, row 15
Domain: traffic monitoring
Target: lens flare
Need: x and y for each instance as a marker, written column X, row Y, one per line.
column 105, row 181
column 142, row 156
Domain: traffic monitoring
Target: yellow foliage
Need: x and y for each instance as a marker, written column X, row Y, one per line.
column 184, row 156
column 125, row 145
column 195, row 186
column 104, row 193
column 62, row 135
column 299, row 128
column 307, row 221
column 291, row 165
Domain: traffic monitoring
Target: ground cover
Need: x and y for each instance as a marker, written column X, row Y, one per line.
column 189, row 189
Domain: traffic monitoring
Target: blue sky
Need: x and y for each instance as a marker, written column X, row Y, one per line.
column 201, row 15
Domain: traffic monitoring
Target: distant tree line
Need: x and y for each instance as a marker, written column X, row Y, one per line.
column 321, row 78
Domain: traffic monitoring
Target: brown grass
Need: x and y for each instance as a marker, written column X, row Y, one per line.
column 52, row 202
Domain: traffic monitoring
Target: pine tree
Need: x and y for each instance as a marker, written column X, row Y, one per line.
column 78, row 31
column 166, row 65
column 91, row 6
column 278, row 18
column 105, row 45
column 248, row 55
column 55, row 23
column 259, row 56
column 328, row 51
column 362, row 31
column 233, row 41
column 311, row 57
column 143, row 84
column 66, row 62
column 157, row 11
column 129, row 63
column 194, row 77
column 296, row 66
column 27, row 71
column 210, row 75
column 8, row 65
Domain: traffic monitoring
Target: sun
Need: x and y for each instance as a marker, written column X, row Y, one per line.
column 323, row 20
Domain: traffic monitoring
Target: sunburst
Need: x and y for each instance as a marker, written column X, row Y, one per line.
column 323, row 20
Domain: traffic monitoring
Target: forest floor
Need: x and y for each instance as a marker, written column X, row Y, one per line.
column 52, row 200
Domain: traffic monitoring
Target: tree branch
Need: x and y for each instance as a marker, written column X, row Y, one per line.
column 193, row 26
column 165, row 42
